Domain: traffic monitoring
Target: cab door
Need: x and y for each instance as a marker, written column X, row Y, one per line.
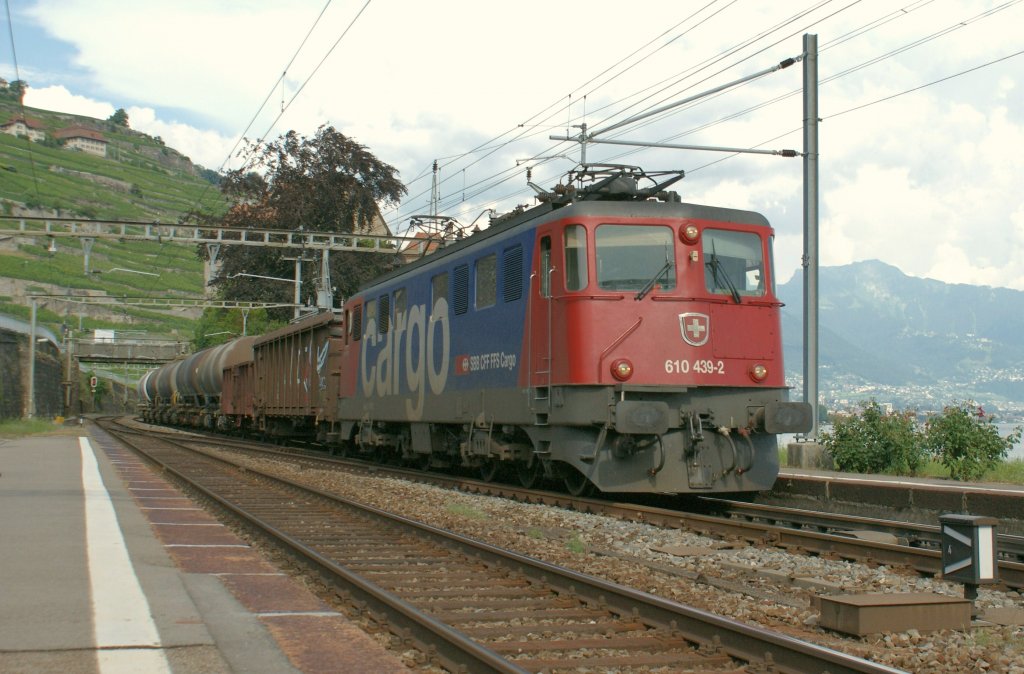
column 539, row 318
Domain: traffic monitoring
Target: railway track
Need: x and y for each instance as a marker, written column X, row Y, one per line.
column 475, row 607
column 851, row 537
column 1011, row 546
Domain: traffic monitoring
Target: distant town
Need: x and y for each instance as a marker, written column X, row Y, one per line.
column 844, row 393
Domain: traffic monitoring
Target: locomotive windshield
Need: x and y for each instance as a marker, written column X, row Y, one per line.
column 629, row 256
column 733, row 263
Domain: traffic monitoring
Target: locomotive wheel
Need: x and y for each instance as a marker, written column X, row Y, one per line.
column 489, row 470
column 529, row 473
column 578, row 484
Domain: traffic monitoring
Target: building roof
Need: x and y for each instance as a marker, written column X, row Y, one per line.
column 80, row 132
column 27, row 121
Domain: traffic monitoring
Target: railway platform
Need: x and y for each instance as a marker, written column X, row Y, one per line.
column 105, row 567
column 927, row 495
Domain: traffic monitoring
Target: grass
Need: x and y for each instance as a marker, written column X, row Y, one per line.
column 1010, row 471
column 576, row 544
column 466, row 511
column 19, row 428
column 140, row 178
column 63, row 271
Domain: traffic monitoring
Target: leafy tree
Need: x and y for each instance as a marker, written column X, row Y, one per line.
column 209, row 175
column 16, row 90
column 966, row 441
column 326, row 183
column 217, row 326
column 119, row 118
column 875, row 442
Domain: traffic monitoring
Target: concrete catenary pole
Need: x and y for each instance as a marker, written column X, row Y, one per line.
column 810, row 258
column 30, row 408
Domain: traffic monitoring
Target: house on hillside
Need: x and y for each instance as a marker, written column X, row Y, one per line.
column 426, row 243
column 81, row 138
column 24, row 126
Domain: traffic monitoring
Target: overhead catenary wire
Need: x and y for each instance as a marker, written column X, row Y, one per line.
column 21, row 100
column 280, row 81
column 315, row 70
column 492, row 145
column 890, row 54
column 693, row 70
column 500, row 178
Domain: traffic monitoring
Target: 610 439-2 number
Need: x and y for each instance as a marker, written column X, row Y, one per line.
column 697, row 366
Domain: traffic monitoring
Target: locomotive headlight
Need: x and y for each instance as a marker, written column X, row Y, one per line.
column 689, row 234
column 758, row 372
column 622, row 369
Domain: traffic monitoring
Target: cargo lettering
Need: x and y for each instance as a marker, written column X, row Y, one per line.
column 409, row 347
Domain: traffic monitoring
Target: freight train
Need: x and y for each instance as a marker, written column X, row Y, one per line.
column 610, row 337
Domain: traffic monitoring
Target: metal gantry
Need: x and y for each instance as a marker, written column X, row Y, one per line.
column 78, row 228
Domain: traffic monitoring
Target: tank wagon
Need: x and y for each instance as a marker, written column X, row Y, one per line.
column 610, row 337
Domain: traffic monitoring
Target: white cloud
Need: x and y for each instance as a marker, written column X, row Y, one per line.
column 928, row 181
column 59, row 99
column 202, row 146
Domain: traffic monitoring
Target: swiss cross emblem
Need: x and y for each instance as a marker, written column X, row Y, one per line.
column 695, row 328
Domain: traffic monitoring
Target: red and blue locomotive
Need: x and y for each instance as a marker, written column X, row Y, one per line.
column 610, row 337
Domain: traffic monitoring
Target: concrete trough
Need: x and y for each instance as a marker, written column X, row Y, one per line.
column 861, row 614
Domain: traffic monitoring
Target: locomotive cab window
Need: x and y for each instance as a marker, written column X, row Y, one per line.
column 575, row 257
column 733, row 263
column 632, row 257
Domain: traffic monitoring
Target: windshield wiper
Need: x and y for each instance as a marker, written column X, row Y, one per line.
column 715, row 266
column 654, row 281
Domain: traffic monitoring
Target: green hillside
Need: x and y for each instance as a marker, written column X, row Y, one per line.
column 140, row 179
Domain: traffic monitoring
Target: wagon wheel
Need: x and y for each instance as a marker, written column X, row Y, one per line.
column 529, row 472
column 489, row 470
column 578, row 484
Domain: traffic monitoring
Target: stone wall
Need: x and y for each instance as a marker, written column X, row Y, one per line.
column 14, row 370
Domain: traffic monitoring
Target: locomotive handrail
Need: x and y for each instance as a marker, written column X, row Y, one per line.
column 621, row 338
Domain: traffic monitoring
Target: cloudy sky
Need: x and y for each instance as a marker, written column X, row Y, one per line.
column 921, row 105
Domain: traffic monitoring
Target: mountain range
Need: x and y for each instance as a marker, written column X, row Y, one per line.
column 919, row 343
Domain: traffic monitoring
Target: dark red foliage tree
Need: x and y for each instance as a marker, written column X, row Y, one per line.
column 326, row 183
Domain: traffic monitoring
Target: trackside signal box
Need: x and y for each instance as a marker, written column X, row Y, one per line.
column 969, row 549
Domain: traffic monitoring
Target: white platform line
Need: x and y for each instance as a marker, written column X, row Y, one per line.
column 121, row 616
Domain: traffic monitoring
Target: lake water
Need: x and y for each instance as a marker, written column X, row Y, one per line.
column 1018, row 449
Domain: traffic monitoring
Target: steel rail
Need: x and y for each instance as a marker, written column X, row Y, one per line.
column 924, row 560
column 750, row 643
